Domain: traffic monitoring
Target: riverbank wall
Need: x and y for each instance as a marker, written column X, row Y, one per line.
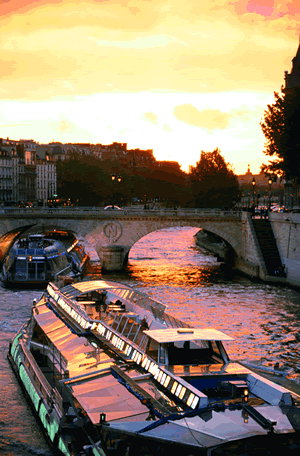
column 286, row 229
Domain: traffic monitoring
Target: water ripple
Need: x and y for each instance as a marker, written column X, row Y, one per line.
column 263, row 319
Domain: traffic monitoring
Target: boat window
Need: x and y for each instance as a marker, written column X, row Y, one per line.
column 38, row 335
column 126, row 294
column 172, row 321
column 21, row 264
column 134, row 297
column 126, row 325
column 60, row 262
column 216, row 349
column 77, row 253
column 80, row 249
column 130, row 296
column 152, row 349
column 140, row 301
column 189, row 352
column 31, row 270
column 162, row 355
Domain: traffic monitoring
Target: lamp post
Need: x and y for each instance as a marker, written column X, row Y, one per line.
column 253, row 185
column 270, row 182
column 113, row 178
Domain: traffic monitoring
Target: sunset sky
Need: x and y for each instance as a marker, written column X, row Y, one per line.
column 174, row 76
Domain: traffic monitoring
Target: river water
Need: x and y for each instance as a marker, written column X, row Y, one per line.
column 263, row 319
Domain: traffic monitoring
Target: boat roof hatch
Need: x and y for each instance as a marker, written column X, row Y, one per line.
column 182, row 334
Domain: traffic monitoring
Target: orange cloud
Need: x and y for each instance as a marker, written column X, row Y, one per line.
column 122, row 46
column 209, row 119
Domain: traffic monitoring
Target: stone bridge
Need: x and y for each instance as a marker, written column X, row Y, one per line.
column 112, row 233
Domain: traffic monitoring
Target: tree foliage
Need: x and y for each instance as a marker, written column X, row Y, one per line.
column 281, row 129
column 87, row 180
column 213, row 181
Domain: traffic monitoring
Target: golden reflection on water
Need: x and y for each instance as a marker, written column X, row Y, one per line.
column 264, row 319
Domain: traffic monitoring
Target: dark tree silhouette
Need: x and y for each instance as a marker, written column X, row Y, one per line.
column 281, row 129
column 213, row 181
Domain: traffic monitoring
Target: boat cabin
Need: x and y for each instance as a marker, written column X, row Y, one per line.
column 187, row 346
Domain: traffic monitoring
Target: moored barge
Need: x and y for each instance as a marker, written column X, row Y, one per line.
column 108, row 370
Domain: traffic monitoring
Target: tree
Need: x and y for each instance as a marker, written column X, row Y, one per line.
column 213, row 181
column 281, row 129
column 88, row 179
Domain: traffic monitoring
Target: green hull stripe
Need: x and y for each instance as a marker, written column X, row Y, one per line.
column 52, row 426
column 15, row 345
column 62, row 447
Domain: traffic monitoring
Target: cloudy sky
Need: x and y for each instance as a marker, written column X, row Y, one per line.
column 174, row 76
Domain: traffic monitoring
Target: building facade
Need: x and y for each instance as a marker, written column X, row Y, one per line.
column 27, row 173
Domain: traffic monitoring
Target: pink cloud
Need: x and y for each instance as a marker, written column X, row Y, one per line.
column 14, row 6
column 265, row 9
column 272, row 9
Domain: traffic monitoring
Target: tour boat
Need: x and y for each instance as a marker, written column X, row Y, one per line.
column 108, row 370
column 37, row 260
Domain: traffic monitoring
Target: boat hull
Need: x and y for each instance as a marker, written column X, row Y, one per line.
column 132, row 443
column 86, row 366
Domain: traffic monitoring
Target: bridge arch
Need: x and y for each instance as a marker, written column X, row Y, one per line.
column 112, row 235
column 115, row 254
column 218, row 232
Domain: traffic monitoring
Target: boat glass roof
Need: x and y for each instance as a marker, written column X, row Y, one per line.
column 72, row 291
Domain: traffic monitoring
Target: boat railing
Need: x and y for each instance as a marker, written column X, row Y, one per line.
column 40, row 380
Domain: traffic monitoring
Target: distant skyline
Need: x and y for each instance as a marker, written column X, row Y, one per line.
column 175, row 77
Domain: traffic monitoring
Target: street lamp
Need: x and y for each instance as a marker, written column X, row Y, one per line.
column 113, row 178
column 270, row 182
column 253, row 185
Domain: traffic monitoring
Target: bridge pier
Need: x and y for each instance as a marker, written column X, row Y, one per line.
column 113, row 257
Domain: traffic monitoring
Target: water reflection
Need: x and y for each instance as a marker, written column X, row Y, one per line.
column 264, row 319
column 167, row 264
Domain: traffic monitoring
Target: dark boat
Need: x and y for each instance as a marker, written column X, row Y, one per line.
column 108, row 370
column 37, row 260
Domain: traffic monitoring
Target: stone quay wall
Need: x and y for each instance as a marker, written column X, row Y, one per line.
column 286, row 228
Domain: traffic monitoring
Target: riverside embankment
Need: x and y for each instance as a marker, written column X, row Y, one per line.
column 286, row 229
column 252, row 260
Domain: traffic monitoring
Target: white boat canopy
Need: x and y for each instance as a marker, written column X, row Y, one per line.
column 91, row 285
column 184, row 334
